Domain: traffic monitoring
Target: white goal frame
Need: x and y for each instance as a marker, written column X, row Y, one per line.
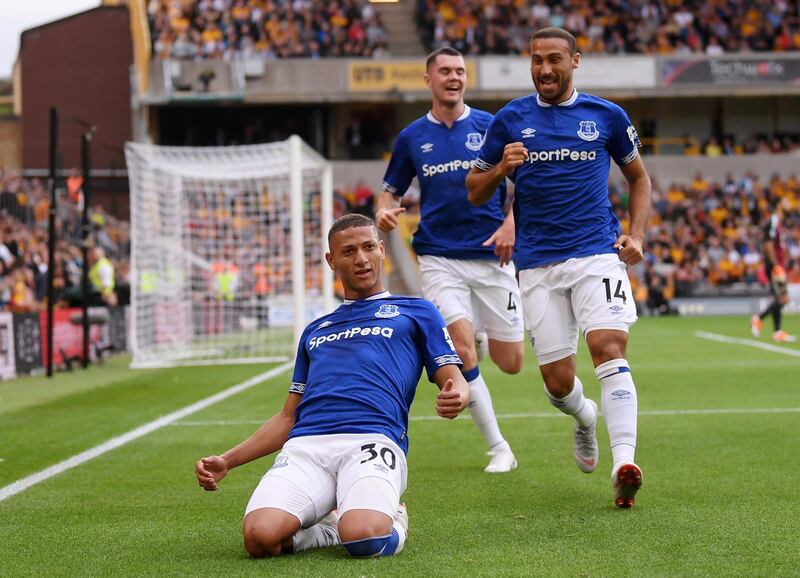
column 149, row 168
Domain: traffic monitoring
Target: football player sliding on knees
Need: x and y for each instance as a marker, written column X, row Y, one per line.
column 342, row 435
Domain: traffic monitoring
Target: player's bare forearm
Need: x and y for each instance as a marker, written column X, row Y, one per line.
column 481, row 185
column 388, row 207
column 630, row 244
column 269, row 438
column 387, row 200
column 639, row 197
column 454, row 391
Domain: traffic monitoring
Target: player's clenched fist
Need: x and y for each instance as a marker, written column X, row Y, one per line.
column 630, row 249
column 386, row 219
column 514, row 154
column 209, row 471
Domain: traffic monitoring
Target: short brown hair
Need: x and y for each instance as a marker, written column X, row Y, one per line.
column 553, row 32
column 349, row 221
column 448, row 50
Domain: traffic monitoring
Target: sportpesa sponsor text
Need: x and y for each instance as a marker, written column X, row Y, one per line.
column 563, row 154
column 386, row 332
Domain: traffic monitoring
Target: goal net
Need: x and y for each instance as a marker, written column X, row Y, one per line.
column 228, row 244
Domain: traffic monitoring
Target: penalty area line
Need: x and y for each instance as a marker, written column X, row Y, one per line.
column 83, row 457
column 748, row 342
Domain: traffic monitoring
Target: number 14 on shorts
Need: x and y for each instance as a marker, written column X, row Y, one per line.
column 619, row 293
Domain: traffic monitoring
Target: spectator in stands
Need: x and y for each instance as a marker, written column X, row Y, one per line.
column 102, row 278
column 705, row 236
column 650, row 27
column 278, row 29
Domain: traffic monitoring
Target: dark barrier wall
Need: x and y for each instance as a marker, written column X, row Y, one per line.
column 80, row 64
column 27, row 342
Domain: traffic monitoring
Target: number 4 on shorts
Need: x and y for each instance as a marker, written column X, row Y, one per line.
column 511, row 305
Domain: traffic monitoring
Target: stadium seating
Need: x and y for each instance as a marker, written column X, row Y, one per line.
column 636, row 26
column 706, row 238
column 24, row 211
column 200, row 29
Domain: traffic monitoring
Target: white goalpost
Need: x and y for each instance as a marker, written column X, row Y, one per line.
column 228, row 251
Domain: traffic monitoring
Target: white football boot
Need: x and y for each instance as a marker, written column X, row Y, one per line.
column 584, row 444
column 401, row 517
column 502, row 459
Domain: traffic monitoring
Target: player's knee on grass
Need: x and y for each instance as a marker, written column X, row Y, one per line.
column 377, row 546
column 363, row 524
column 265, row 538
column 367, row 533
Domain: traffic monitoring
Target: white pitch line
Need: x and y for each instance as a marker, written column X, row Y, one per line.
column 90, row 454
column 653, row 412
column 749, row 342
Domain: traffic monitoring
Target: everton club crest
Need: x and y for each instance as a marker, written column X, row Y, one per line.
column 387, row 310
column 588, row 130
column 474, row 141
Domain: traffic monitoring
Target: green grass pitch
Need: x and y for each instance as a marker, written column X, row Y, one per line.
column 718, row 432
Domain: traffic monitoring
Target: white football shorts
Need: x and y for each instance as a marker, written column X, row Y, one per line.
column 585, row 293
column 313, row 475
column 480, row 291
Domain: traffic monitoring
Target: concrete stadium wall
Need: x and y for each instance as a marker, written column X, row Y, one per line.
column 10, row 143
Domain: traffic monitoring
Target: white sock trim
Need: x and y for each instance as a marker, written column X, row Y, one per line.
column 611, row 367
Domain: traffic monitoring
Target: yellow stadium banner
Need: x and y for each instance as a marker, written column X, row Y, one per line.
column 400, row 76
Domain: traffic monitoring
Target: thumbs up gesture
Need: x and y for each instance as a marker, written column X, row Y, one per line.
column 386, row 219
column 450, row 400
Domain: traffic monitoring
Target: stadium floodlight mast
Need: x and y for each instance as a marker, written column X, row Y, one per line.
column 228, row 251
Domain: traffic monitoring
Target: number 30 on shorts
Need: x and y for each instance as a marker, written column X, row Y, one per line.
column 386, row 454
column 618, row 291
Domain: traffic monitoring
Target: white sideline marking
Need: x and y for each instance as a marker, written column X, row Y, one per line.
column 90, row 454
column 653, row 412
column 750, row 342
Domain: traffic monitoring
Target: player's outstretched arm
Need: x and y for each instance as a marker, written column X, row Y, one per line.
column 269, row 438
column 630, row 245
column 481, row 184
column 454, row 391
column 388, row 210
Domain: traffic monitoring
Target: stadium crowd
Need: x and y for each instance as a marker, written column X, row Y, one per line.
column 613, row 26
column 707, row 237
column 704, row 238
column 227, row 29
column 727, row 145
column 24, row 214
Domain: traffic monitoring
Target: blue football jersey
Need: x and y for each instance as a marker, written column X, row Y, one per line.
column 561, row 203
column 358, row 367
column 441, row 158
